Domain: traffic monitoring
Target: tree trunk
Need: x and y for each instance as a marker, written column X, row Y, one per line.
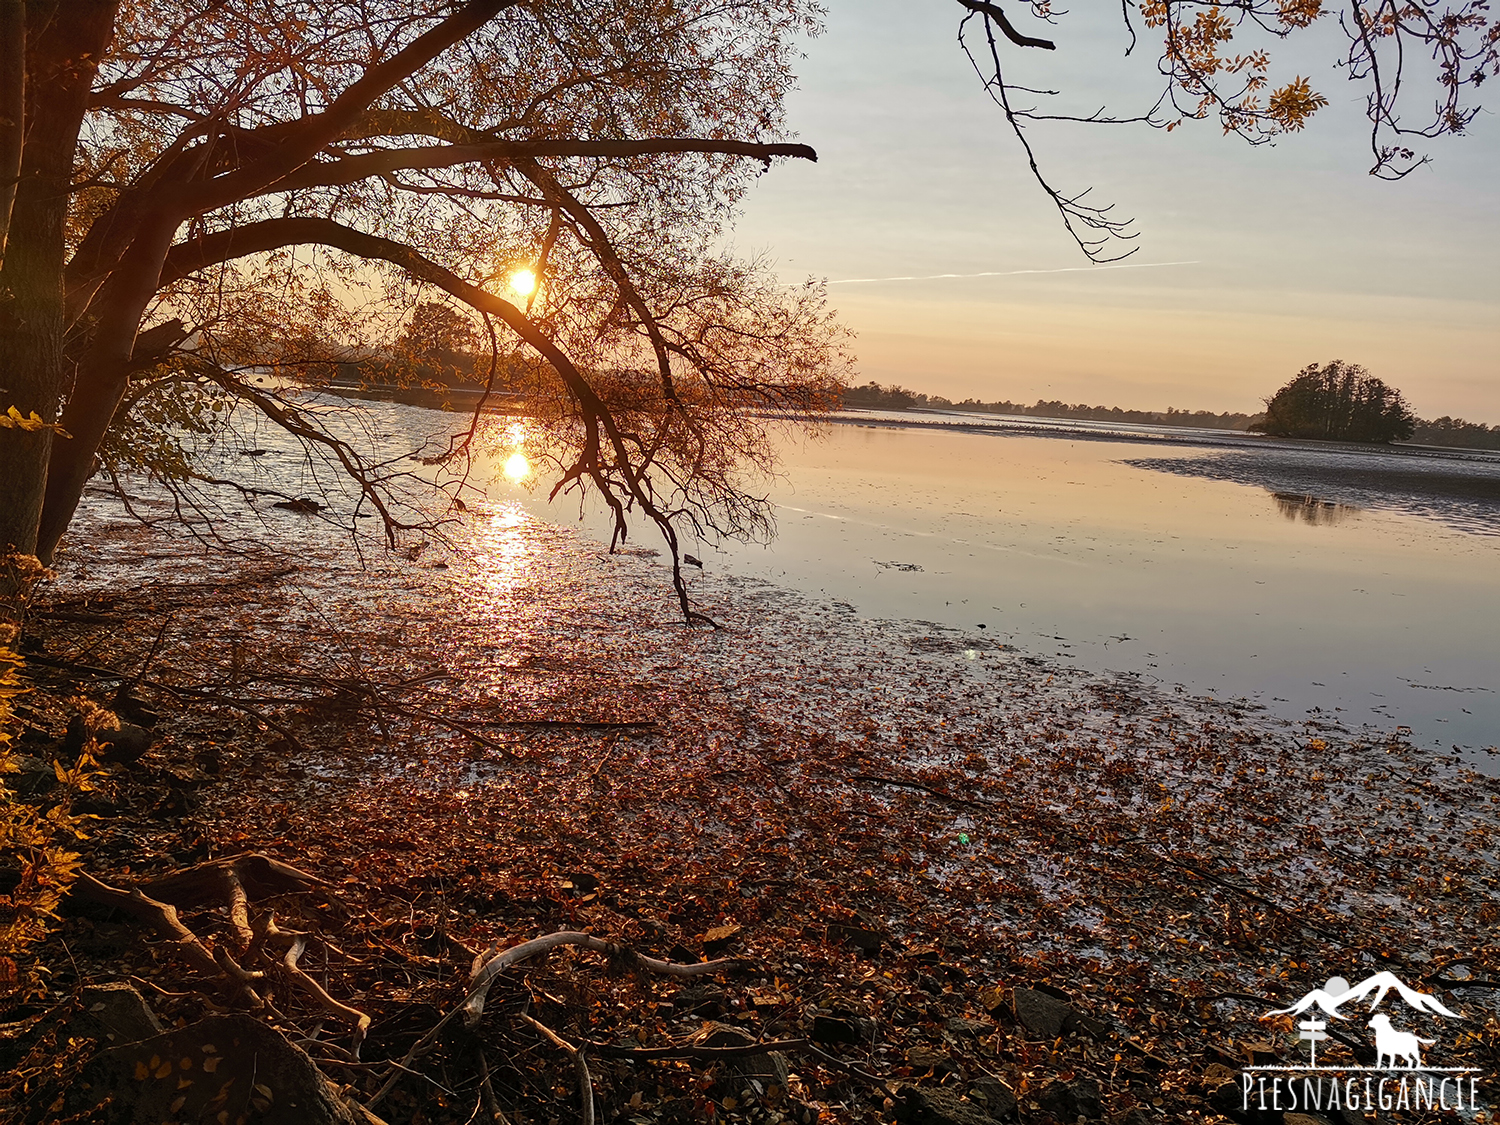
column 12, row 106
column 101, row 378
column 64, row 43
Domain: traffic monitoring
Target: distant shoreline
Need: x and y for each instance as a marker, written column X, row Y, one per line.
column 1090, row 430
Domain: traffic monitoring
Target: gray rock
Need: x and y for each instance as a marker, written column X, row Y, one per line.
column 998, row 1099
column 938, row 1106
column 1041, row 1013
column 196, row 1072
column 962, row 1025
column 113, row 1014
column 35, row 776
column 1068, row 1101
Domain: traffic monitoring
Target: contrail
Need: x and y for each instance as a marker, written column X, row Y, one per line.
column 1012, row 273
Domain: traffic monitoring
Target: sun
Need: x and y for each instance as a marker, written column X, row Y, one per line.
column 523, row 282
column 517, row 468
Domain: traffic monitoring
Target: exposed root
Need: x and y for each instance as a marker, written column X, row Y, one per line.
column 580, row 1068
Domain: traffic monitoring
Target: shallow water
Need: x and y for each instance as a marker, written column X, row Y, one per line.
column 1352, row 587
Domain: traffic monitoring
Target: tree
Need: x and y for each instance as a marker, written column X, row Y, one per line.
column 436, row 331
column 1338, row 402
column 188, row 187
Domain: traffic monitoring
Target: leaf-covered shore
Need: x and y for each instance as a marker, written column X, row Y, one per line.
column 948, row 873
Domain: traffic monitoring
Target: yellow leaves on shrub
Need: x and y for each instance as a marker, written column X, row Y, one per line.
column 33, row 836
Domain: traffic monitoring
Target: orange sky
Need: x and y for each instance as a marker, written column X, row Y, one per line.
column 1299, row 256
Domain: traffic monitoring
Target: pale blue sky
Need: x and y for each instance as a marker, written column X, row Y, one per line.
column 1300, row 256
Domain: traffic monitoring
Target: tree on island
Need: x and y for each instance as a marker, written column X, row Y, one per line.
column 1338, row 402
column 189, row 188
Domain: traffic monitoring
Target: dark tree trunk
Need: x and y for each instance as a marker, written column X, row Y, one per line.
column 65, row 39
column 101, row 378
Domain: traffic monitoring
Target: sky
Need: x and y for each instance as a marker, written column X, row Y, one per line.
column 1253, row 262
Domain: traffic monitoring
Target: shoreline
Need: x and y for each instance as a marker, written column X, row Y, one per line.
column 798, row 779
column 1036, row 426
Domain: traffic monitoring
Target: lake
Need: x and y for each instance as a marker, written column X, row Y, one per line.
column 1343, row 587
column 1356, row 587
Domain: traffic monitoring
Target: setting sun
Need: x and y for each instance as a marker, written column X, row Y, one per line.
column 523, row 282
column 517, row 468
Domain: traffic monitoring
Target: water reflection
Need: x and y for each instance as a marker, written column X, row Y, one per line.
column 502, row 550
column 1313, row 509
column 1460, row 490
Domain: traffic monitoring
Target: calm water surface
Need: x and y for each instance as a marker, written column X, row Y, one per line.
column 1340, row 586
column 1356, row 586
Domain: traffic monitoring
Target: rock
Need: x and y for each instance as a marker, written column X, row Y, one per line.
column 831, row 1029
column 961, row 1025
column 1214, row 1073
column 718, row 938
column 998, row 1099
column 864, row 939
column 1261, row 1053
column 758, row 1072
column 233, row 1062
column 35, row 776
column 704, row 1001
column 96, row 804
column 923, row 1057
column 126, row 743
column 1068, row 1101
column 1228, row 1098
column 113, row 1014
column 301, row 504
column 1041, row 1013
column 1303, row 1119
column 938, row 1106
column 1136, row 1116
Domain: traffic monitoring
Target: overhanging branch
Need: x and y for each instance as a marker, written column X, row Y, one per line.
column 352, row 169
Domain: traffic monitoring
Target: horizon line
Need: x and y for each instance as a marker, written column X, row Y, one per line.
column 1012, row 273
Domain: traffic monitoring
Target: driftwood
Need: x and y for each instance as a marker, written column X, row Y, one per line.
column 580, row 1068
column 473, row 1006
column 487, row 967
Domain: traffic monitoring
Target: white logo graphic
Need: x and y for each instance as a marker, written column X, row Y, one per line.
column 1338, row 992
column 1398, row 1080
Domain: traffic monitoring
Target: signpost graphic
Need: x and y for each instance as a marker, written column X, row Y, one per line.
column 1313, row 1031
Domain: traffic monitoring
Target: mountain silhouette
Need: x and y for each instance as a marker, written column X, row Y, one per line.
column 1379, row 984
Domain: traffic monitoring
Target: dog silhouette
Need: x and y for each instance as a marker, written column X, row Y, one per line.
column 1391, row 1044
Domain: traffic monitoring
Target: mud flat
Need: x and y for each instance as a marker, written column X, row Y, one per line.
column 913, row 836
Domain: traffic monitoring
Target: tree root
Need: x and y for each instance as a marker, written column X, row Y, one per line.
column 580, row 1068
column 232, row 882
column 489, row 965
column 163, row 918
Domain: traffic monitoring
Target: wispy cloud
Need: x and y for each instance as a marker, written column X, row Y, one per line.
column 1011, row 273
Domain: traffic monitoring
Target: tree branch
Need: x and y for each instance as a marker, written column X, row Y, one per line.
column 1002, row 21
column 352, row 169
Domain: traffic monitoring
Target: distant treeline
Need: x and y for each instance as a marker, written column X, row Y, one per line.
column 872, row 396
column 1456, row 432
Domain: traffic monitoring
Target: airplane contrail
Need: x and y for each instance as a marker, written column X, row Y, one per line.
column 1012, row 273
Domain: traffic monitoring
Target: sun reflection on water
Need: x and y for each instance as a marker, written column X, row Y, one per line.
column 503, row 550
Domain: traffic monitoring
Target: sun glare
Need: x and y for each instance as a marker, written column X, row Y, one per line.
column 523, row 282
column 517, row 468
